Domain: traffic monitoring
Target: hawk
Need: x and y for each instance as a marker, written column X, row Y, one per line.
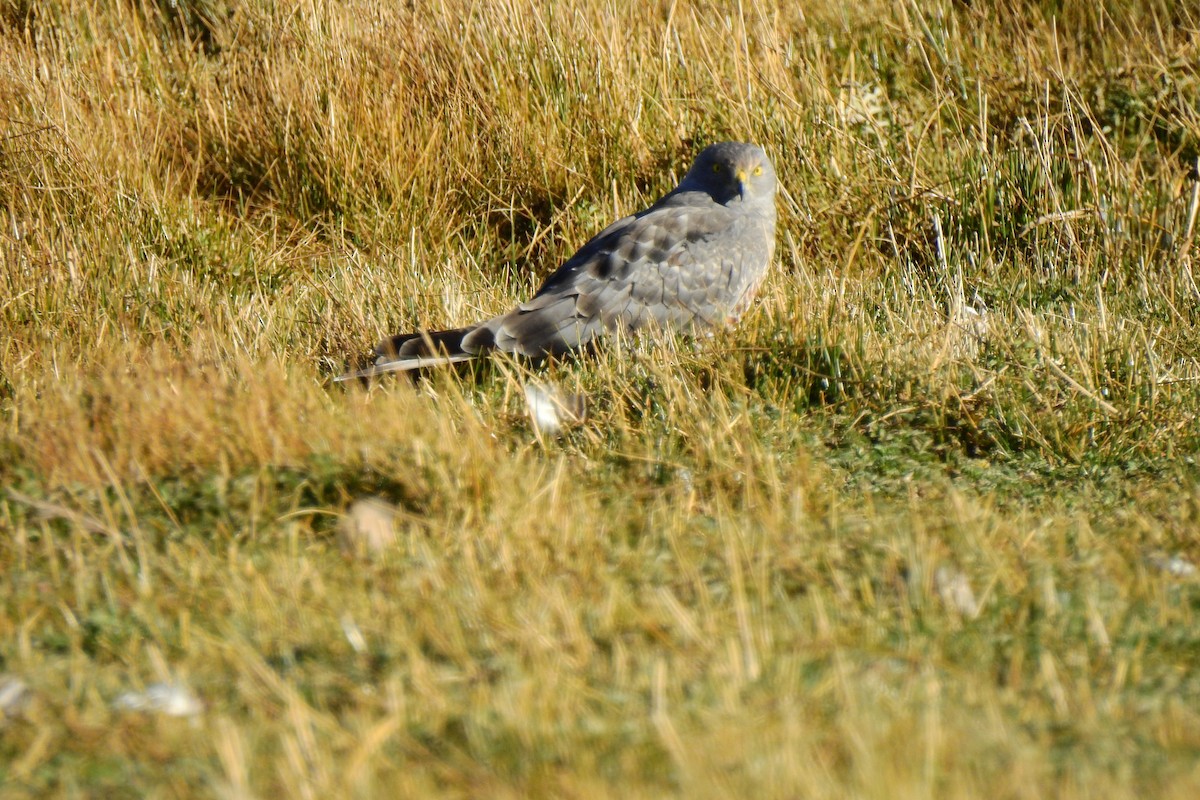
column 694, row 260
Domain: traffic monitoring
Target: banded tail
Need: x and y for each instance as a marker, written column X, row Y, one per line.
column 409, row 351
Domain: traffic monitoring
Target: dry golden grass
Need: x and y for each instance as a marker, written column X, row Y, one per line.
column 922, row 527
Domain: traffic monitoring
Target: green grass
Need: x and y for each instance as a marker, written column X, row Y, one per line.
column 977, row 359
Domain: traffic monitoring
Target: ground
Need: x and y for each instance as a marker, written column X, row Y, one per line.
column 924, row 525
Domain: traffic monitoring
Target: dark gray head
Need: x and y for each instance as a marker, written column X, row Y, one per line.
column 729, row 171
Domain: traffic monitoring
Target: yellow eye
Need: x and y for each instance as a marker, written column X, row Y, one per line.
column 758, row 170
column 716, row 167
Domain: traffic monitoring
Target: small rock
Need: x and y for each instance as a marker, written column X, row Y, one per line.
column 970, row 327
column 369, row 527
column 1176, row 566
column 860, row 103
column 551, row 409
column 685, row 478
column 15, row 697
column 955, row 590
column 171, row 699
column 354, row 634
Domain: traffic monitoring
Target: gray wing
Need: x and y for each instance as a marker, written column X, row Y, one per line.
column 680, row 265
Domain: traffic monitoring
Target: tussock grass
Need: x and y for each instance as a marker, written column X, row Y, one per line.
column 975, row 364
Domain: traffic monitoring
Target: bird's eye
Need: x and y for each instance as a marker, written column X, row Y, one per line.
column 716, row 167
column 758, row 170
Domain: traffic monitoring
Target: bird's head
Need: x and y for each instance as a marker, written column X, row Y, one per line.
column 732, row 171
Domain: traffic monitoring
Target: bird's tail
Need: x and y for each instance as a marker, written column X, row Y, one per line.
column 408, row 351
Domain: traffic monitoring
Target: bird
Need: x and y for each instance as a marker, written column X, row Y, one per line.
column 692, row 262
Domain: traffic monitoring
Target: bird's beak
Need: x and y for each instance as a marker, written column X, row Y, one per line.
column 740, row 174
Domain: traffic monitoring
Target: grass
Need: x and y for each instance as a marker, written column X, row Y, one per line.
column 976, row 363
